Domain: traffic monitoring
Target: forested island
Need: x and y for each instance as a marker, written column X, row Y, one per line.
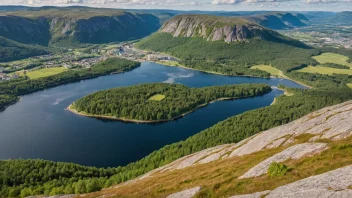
column 158, row 102
column 25, row 85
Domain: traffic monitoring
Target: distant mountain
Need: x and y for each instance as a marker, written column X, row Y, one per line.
column 13, row 8
column 77, row 25
column 12, row 50
column 279, row 21
column 341, row 18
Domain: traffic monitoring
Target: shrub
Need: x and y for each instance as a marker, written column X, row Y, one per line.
column 277, row 169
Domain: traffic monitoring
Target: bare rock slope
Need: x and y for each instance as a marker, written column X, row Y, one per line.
column 336, row 183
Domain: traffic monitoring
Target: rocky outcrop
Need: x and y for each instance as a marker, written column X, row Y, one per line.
column 189, row 193
column 295, row 152
column 336, row 183
column 212, row 28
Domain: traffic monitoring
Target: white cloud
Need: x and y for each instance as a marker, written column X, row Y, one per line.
column 222, row 2
column 69, row 1
column 226, row 5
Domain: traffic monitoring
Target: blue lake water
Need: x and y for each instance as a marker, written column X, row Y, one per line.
column 39, row 126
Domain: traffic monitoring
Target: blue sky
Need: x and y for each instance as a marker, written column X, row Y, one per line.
column 228, row 5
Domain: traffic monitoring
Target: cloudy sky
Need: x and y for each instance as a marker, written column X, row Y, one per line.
column 228, row 5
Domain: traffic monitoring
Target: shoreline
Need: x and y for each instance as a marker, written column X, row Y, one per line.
column 69, row 108
column 283, row 76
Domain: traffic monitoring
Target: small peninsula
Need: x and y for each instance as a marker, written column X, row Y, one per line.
column 158, row 102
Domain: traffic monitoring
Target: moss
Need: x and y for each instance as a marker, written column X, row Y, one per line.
column 209, row 31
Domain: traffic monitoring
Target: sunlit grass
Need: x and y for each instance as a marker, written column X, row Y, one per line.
column 44, row 72
column 325, row 70
column 157, row 97
column 333, row 58
column 267, row 68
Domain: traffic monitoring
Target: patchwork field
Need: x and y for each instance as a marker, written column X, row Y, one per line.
column 267, row 68
column 45, row 72
column 325, row 70
column 157, row 97
column 333, row 58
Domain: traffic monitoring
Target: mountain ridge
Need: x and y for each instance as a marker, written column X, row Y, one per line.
column 73, row 26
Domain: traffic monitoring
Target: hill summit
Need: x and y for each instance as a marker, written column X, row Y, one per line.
column 215, row 28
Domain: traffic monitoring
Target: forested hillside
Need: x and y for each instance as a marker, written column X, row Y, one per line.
column 12, row 50
column 233, row 58
column 159, row 101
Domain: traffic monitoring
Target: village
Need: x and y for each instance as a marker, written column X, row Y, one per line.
column 77, row 59
column 322, row 35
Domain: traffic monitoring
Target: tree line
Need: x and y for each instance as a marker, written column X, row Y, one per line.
column 321, row 80
column 134, row 102
column 6, row 100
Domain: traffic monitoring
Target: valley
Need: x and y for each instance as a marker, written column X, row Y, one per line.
column 155, row 103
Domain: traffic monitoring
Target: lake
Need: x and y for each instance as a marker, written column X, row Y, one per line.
column 40, row 127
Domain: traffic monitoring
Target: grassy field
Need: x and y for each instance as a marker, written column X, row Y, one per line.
column 45, row 72
column 267, row 68
column 333, row 58
column 325, row 70
column 349, row 85
column 157, row 97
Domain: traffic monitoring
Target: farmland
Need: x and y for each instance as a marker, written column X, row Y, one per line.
column 40, row 73
column 325, row 70
column 333, row 58
column 267, row 68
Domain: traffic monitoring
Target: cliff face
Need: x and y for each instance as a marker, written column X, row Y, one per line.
column 104, row 29
column 44, row 29
column 211, row 28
